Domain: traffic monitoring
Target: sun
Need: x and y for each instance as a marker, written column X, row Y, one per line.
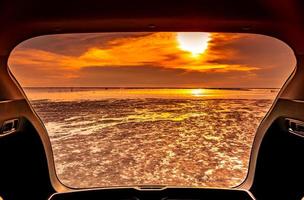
column 194, row 42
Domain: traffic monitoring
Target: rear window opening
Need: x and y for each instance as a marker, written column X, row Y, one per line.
column 152, row 109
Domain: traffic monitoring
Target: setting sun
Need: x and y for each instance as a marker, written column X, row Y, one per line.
column 196, row 43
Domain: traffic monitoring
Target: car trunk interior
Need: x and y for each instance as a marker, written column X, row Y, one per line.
column 26, row 163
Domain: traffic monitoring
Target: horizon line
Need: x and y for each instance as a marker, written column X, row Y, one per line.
column 131, row 87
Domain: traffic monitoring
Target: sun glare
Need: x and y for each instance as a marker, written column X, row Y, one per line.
column 196, row 43
column 197, row 92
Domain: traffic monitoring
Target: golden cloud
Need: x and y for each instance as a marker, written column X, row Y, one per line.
column 156, row 49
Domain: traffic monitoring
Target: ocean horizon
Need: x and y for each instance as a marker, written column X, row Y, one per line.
column 99, row 93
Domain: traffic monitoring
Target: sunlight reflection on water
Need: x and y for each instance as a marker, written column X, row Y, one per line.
column 74, row 94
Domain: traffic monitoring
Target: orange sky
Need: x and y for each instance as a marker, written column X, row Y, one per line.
column 152, row 60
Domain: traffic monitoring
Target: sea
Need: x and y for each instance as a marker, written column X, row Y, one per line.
column 185, row 137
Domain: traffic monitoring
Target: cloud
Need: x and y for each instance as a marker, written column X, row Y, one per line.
column 231, row 60
column 159, row 49
column 73, row 44
column 151, row 76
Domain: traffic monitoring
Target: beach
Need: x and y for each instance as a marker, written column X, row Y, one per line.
column 176, row 137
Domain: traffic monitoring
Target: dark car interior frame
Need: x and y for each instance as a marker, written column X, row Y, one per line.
column 26, row 161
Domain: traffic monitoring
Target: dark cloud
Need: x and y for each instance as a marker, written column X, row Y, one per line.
column 254, row 50
column 154, row 76
column 75, row 44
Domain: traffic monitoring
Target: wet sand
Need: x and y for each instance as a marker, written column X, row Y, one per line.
column 150, row 141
